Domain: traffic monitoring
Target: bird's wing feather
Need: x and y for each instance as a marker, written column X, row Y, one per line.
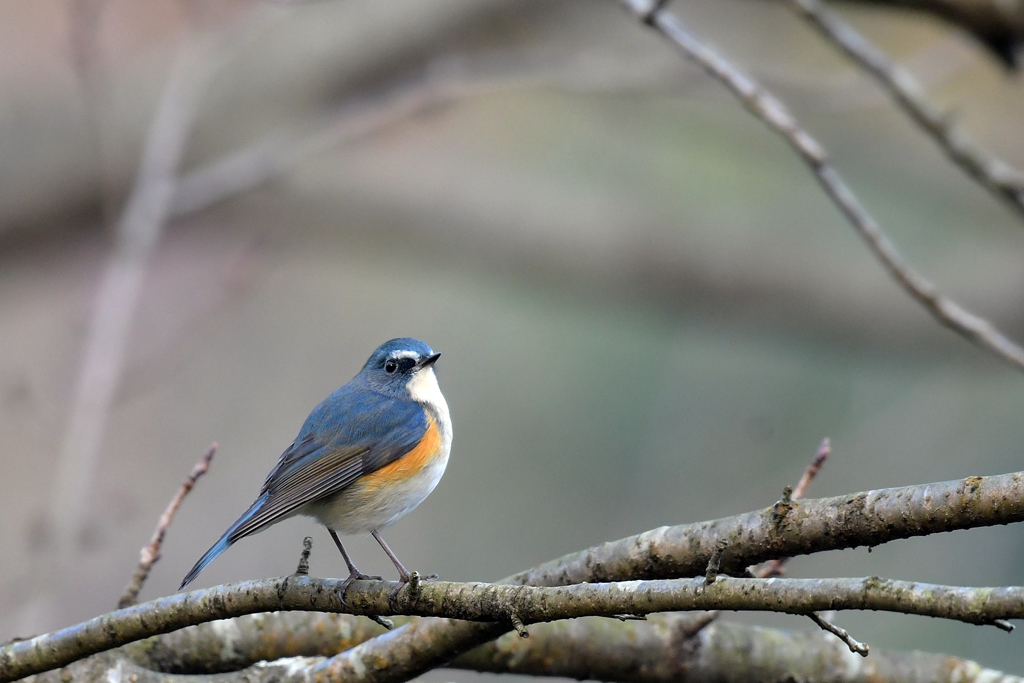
column 316, row 466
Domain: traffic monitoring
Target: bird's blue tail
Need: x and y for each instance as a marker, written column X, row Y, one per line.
column 222, row 544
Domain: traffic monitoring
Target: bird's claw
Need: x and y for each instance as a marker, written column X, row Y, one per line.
column 413, row 580
column 354, row 576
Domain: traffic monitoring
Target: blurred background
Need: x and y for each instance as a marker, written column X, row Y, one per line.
column 649, row 314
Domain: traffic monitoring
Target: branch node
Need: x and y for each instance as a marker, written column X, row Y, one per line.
column 1003, row 625
column 383, row 621
column 715, row 563
column 415, row 583
column 841, row 633
column 630, row 617
column 307, row 548
column 518, row 624
column 784, row 504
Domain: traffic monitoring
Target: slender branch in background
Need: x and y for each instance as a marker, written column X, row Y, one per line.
column 498, row 603
column 151, row 551
column 138, row 231
column 996, row 23
column 253, row 166
column 652, row 651
column 990, row 171
column 765, row 106
column 443, row 81
column 871, row 518
column 360, row 116
column 84, row 20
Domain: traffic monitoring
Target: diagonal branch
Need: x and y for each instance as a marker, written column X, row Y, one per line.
column 996, row 23
column 989, row 170
column 765, row 106
column 151, row 551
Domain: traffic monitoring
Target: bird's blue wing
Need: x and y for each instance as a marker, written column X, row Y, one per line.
column 351, row 434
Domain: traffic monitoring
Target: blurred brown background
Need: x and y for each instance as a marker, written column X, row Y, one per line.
column 648, row 312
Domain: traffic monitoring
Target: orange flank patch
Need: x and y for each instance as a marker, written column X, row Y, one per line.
column 410, row 464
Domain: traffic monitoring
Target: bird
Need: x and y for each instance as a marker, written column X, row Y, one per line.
column 364, row 458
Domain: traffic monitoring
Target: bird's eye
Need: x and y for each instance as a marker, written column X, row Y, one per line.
column 390, row 366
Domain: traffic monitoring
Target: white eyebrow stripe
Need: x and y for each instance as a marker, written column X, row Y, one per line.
column 406, row 354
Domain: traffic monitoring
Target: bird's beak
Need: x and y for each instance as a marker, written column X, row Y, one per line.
column 427, row 362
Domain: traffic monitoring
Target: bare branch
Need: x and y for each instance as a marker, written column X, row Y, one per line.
column 137, row 234
column 868, row 518
column 715, row 563
column 666, row 648
column 824, row 450
column 503, row 603
column 307, row 548
column 776, row 567
column 151, row 551
column 998, row 24
column 855, row 645
column 663, row 650
column 990, row 171
column 765, row 106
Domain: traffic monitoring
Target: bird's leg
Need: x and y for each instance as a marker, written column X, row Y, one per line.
column 353, row 573
column 403, row 573
column 404, row 576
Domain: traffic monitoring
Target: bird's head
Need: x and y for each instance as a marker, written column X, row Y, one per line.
column 403, row 367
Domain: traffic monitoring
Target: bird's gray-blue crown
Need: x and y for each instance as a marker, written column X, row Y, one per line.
column 395, row 362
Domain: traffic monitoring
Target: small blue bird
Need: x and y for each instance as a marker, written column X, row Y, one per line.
column 365, row 457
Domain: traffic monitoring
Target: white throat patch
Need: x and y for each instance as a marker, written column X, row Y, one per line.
column 423, row 389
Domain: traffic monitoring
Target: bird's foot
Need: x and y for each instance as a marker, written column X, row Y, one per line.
column 355, row 575
column 413, row 580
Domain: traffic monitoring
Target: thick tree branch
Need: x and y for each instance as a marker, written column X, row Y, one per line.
column 668, row 648
column 868, row 518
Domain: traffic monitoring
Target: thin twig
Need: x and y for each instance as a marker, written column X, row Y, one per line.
column 841, row 633
column 776, row 567
column 985, row 167
column 307, row 548
column 824, row 450
column 765, row 106
column 715, row 563
column 151, row 551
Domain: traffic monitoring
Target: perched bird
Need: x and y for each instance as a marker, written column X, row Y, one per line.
column 365, row 457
